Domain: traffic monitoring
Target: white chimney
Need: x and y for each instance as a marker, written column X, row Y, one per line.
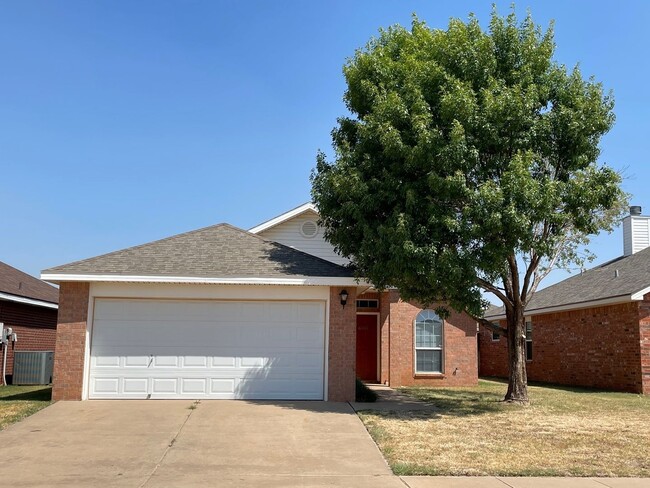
column 636, row 231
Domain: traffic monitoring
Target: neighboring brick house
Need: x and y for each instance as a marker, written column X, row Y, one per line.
column 29, row 306
column 269, row 313
column 592, row 329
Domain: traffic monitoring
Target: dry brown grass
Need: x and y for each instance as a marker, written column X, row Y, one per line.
column 18, row 402
column 563, row 432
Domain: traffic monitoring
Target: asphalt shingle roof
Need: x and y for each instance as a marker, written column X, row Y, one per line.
column 218, row 251
column 597, row 283
column 15, row 282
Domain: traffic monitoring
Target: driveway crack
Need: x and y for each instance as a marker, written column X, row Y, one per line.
column 171, row 443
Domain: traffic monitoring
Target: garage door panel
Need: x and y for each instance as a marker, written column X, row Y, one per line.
column 252, row 362
column 224, row 362
column 105, row 386
column 165, row 362
column 222, row 385
column 195, row 362
column 105, row 361
column 194, row 386
column 164, row 386
column 136, row 385
column 190, row 349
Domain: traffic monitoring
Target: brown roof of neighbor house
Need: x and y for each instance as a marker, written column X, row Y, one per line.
column 218, row 251
column 17, row 283
column 623, row 276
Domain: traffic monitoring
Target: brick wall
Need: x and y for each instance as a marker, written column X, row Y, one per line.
column 342, row 346
column 459, row 336
column 70, row 341
column 35, row 327
column 644, row 341
column 493, row 355
column 596, row 347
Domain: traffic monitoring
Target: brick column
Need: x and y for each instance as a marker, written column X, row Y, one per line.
column 384, row 327
column 70, row 348
column 342, row 346
column 644, row 343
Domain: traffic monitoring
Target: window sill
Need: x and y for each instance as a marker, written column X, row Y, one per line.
column 430, row 375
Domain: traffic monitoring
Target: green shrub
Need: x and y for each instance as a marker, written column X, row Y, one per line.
column 365, row 394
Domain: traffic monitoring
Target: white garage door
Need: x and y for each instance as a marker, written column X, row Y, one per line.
column 207, row 349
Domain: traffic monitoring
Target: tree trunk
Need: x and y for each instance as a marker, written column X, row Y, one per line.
column 517, row 378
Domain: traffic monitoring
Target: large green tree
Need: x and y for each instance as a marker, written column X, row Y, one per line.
column 468, row 164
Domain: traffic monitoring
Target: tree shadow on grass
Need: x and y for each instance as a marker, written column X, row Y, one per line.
column 458, row 403
column 39, row 395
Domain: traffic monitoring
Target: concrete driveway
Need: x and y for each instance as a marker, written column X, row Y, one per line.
column 179, row 443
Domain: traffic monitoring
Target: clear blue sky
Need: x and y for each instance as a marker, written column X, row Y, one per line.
column 125, row 122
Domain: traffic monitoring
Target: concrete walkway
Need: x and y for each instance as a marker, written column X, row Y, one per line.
column 510, row 482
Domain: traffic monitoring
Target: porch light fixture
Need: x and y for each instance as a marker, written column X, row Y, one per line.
column 344, row 297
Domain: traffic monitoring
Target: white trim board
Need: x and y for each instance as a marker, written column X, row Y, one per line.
column 283, row 218
column 27, row 301
column 306, row 281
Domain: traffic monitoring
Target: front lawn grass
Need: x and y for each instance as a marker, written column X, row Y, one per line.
column 18, row 402
column 563, row 432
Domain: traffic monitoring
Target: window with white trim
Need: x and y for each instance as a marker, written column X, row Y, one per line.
column 529, row 340
column 428, row 342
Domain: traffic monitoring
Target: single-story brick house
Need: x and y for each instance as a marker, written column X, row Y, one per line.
column 29, row 307
column 220, row 312
column 592, row 329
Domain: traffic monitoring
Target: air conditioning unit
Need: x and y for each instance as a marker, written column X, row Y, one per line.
column 33, row 367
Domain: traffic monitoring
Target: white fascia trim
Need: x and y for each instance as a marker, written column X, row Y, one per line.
column 283, row 218
column 308, row 281
column 28, row 301
column 639, row 294
column 575, row 306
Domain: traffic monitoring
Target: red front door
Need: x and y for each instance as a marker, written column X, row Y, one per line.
column 367, row 348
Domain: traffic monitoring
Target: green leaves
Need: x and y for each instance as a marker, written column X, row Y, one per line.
column 466, row 151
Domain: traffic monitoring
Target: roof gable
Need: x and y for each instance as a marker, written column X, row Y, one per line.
column 305, row 207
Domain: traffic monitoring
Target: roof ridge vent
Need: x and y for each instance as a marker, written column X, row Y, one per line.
column 616, row 273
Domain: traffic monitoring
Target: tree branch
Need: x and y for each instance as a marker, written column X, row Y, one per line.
column 489, row 325
column 532, row 269
column 487, row 286
column 540, row 276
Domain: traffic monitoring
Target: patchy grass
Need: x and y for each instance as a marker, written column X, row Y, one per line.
column 18, row 402
column 563, row 432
